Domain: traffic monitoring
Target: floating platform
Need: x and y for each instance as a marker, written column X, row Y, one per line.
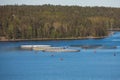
column 87, row 46
column 95, row 46
column 26, row 46
column 45, row 48
column 61, row 50
column 108, row 47
column 33, row 46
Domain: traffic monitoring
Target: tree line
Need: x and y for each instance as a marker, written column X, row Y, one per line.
column 56, row 21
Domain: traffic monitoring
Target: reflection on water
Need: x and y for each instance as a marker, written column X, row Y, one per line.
column 98, row 59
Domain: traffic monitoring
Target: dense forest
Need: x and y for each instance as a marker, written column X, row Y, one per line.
column 55, row 21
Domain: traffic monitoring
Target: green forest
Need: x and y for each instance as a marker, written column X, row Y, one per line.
column 56, row 21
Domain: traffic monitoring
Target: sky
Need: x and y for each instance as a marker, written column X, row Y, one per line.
column 105, row 3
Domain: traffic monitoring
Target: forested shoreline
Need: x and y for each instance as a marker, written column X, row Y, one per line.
column 55, row 21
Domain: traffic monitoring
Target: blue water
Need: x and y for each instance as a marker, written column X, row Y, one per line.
column 88, row 64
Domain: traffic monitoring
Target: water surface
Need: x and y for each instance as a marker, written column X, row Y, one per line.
column 88, row 64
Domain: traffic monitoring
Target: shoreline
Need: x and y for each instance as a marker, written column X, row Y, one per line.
column 47, row 39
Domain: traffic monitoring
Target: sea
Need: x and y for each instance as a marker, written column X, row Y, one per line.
column 98, row 59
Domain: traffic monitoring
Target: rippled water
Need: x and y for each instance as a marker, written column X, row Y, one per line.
column 88, row 64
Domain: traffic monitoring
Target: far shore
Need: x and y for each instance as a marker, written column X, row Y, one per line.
column 46, row 39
